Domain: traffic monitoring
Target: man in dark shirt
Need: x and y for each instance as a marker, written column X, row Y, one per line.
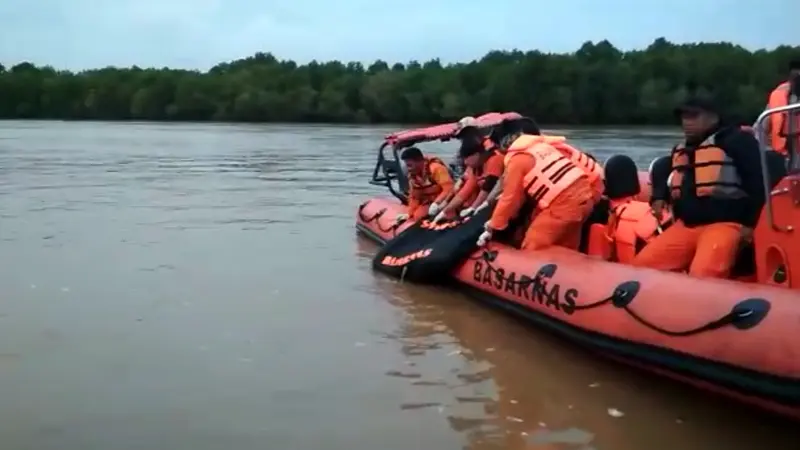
column 716, row 192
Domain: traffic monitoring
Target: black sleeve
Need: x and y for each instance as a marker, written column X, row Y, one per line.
column 659, row 178
column 489, row 183
column 743, row 149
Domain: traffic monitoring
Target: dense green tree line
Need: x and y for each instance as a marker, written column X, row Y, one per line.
column 598, row 84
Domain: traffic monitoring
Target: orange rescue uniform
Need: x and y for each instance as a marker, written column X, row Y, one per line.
column 631, row 225
column 474, row 180
column 433, row 185
column 717, row 189
column 536, row 170
column 778, row 124
column 594, row 171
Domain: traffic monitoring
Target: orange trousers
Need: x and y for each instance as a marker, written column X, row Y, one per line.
column 707, row 251
column 561, row 223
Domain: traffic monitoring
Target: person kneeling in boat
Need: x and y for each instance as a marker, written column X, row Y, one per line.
column 468, row 132
column 717, row 191
column 632, row 223
column 484, row 169
column 561, row 194
column 470, row 135
column 429, row 184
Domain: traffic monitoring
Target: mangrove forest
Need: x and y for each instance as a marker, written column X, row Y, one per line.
column 597, row 84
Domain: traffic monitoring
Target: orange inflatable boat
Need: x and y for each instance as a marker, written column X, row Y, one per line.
column 732, row 337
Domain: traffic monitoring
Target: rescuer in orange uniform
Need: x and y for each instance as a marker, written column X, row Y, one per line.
column 484, row 169
column 561, row 193
column 585, row 161
column 429, row 184
column 631, row 223
column 779, row 126
column 716, row 193
column 468, row 131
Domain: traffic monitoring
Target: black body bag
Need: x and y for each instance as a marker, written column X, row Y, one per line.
column 428, row 253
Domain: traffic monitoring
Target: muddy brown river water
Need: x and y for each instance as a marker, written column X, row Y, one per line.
column 202, row 287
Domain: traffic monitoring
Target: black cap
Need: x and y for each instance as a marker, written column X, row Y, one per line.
column 696, row 104
column 794, row 64
column 411, row 154
column 468, row 149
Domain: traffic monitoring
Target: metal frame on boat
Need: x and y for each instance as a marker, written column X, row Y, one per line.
column 760, row 130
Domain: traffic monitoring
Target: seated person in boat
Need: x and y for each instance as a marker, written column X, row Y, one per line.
column 561, row 193
column 429, row 184
column 484, row 169
column 631, row 223
column 716, row 192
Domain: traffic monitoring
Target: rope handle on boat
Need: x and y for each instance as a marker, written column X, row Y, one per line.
column 375, row 218
column 393, row 228
column 744, row 315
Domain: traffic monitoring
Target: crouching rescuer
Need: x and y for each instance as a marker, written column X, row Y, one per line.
column 716, row 191
column 429, row 184
column 484, row 169
column 561, row 194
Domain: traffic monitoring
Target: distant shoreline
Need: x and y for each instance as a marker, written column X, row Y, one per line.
column 597, row 85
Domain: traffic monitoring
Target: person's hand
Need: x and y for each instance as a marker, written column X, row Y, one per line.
column 484, row 238
column 482, row 206
column 658, row 209
column 400, row 218
column 466, row 212
column 434, row 209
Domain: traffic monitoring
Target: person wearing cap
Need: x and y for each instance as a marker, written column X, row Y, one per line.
column 484, row 169
column 778, row 125
column 538, row 173
column 716, row 192
column 429, row 184
column 467, row 130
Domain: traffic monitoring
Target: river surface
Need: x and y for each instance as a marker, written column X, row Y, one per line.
column 202, row 287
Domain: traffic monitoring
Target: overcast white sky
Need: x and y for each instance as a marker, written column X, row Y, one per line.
column 76, row 34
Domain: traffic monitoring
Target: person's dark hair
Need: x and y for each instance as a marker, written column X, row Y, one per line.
column 794, row 64
column 529, row 126
column 622, row 177
column 526, row 125
column 660, row 170
column 469, row 148
column 794, row 86
column 412, row 154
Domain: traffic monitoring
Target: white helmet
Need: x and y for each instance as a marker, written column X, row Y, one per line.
column 466, row 122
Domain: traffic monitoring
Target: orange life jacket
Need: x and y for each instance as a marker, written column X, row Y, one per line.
column 779, row 123
column 423, row 186
column 594, row 171
column 481, row 173
column 714, row 172
column 631, row 225
column 552, row 173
